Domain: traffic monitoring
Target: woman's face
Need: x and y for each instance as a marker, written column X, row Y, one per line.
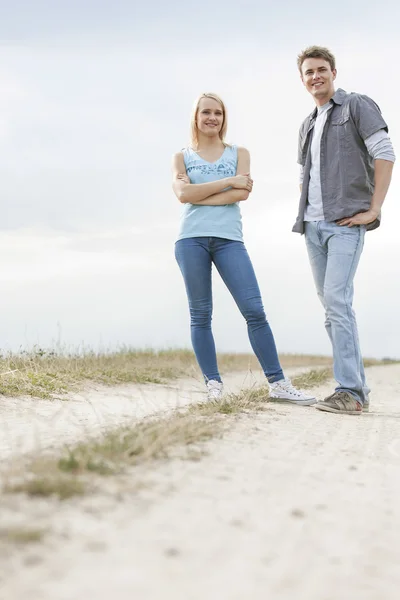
column 210, row 117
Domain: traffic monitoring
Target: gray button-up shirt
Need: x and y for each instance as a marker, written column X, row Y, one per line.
column 347, row 169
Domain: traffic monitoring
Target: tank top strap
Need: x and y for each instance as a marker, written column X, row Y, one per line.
column 188, row 155
column 187, row 151
column 232, row 151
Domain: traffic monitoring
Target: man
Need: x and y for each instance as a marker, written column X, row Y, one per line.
column 346, row 160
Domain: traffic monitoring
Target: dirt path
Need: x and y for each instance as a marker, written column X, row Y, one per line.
column 28, row 425
column 290, row 504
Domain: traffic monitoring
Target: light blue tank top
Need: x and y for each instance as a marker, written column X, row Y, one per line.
column 211, row 221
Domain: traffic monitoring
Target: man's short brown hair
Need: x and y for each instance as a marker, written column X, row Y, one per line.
column 316, row 52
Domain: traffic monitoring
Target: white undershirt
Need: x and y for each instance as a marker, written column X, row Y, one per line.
column 314, row 209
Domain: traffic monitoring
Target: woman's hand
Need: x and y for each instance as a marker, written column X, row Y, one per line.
column 183, row 178
column 242, row 182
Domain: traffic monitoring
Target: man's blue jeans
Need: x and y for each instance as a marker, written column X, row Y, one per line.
column 334, row 252
column 195, row 257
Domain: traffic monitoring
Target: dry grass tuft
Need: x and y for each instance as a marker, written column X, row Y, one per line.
column 113, row 453
column 43, row 480
column 130, row 446
column 312, row 378
column 124, row 447
column 248, row 400
column 46, row 374
column 21, row 535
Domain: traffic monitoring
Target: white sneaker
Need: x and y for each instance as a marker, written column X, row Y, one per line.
column 215, row 389
column 284, row 391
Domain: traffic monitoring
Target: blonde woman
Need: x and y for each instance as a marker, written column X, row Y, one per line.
column 211, row 178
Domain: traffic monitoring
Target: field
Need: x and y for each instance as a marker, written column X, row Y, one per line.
column 117, row 464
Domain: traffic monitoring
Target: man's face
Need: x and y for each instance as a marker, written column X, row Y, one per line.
column 318, row 78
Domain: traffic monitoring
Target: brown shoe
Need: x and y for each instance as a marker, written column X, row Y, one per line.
column 341, row 402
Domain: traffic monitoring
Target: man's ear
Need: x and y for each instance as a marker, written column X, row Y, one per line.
column 334, row 72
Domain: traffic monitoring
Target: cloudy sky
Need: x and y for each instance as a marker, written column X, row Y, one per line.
column 95, row 97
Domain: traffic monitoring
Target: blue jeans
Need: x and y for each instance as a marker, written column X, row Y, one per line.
column 334, row 254
column 195, row 257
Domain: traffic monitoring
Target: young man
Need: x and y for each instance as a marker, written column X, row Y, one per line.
column 346, row 160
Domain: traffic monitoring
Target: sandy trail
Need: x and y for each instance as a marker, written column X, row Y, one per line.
column 290, row 504
column 28, row 425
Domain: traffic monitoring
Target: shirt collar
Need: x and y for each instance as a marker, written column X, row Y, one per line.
column 338, row 98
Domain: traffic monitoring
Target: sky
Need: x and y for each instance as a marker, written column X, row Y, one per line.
column 95, row 97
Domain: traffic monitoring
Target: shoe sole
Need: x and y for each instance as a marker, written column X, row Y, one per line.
column 297, row 402
column 341, row 412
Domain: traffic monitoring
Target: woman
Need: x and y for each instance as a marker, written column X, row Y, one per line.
column 210, row 178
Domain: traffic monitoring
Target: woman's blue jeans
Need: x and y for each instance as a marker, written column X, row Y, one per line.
column 195, row 257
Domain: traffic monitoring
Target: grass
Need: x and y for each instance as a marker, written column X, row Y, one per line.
column 118, row 449
column 75, row 470
column 152, row 439
column 372, row 362
column 44, row 480
column 248, row 400
column 312, row 378
column 21, row 535
column 130, row 446
column 73, row 473
column 46, row 374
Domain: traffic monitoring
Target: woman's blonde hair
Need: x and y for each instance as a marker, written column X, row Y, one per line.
column 194, row 134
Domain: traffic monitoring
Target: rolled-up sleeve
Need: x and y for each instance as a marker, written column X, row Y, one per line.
column 367, row 116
